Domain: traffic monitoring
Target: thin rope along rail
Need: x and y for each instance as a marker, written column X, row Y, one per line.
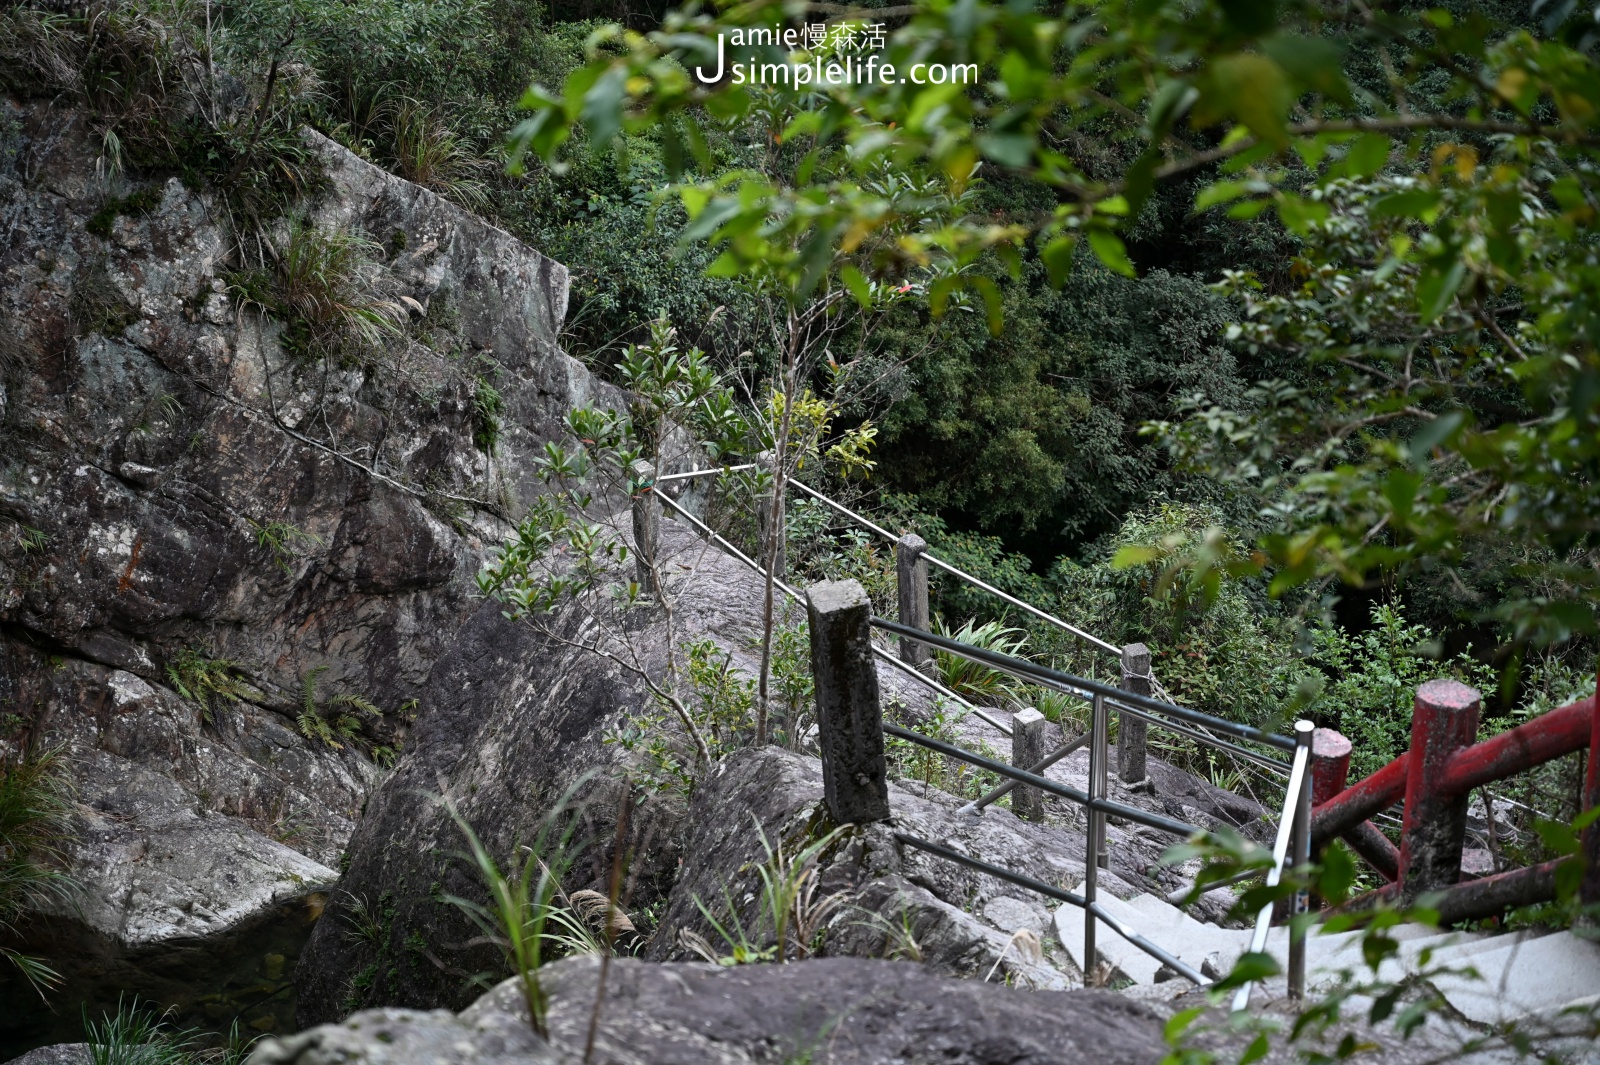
column 797, row 597
column 1066, row 791
column 1049, row 891
column 961, row 574
column 1026, row 670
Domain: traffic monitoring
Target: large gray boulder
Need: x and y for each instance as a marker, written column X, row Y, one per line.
column 173, row 481
column 845, row 1011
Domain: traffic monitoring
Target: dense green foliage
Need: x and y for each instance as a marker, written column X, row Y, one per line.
column 1215, row 326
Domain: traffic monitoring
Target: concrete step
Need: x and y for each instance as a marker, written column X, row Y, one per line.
column 1534, row 974
column 1521, row 973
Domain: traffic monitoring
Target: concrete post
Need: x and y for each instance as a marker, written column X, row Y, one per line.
column 911, row 574
column 1131, row 731
column 646, row 522
column 769, row 463
column 855, row 777
column 1028, row 750
column 1435, row 825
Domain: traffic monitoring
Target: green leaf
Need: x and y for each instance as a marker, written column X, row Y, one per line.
column 1057, row 257
column 1438, row 285
column 992, row 304
column 1316, row 63
column 1109, row 249
column 857, row 285
column 1433, row 434
column 1366, row 156
column 1253, row 89
column 602, row 105
column 1414, row 203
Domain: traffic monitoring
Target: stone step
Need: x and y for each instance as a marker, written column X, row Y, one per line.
column 1534, row 974
column 1521, row 973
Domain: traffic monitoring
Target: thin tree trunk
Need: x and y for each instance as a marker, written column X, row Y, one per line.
column 775, row 530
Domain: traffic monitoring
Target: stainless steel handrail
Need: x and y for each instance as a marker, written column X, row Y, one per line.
column 1293, row 826
column 1050, row 891
column 779, row 583
column 1045, row 676
column 1102, row 805
column 689, row 475
column 962, row 574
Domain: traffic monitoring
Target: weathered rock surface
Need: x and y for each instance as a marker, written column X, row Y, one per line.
column 174, row 482
column 843, row 1011
column 898, row 900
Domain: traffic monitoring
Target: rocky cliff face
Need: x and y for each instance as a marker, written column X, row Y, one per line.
column 182, row 497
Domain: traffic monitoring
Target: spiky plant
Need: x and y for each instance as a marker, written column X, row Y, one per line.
column 35, row 828
column 966, row 677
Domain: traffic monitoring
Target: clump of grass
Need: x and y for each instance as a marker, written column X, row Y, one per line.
column 137, row 1035
column 35, row 828
column 525, row 916
column 429, row 153
column 287, row 542
column 487, row 406
column 326, row 286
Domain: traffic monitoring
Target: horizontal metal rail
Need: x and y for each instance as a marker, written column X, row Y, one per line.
column 1029, row 607
column 689, row 475
column 846, row 511
column 1176, row 897
column 1035, row 673
column 975, row 807
column 1060, row 895
column 1274, row 764
column 1054, row 787
column 792, row 593
column 959, row 573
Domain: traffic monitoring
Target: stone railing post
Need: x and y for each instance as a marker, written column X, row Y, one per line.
column 1132, row 731
column 855, row 777
column 911, row 574
column 1028, row 750
column 646, row 523
column 764, row 523
column 1435, row 825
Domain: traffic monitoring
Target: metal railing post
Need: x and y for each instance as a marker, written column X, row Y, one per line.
column 911, row 575
column 1027, row 750
column 1132, row 730
column 646, row 523
column 777, row 551
column 855, row 775
column 1095, row 838
column 1300, row 855
column 1435, row 826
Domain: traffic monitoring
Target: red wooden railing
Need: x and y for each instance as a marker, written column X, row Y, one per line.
column 1435, row 778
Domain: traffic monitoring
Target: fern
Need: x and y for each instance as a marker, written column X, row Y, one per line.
column 334, row 720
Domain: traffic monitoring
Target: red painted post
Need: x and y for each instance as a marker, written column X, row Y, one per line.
column 1435, row 827
column 1589, row 889
column 1330, row 764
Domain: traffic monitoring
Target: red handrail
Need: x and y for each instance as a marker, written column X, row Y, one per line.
column 1428, row 860
column 1543, row 739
